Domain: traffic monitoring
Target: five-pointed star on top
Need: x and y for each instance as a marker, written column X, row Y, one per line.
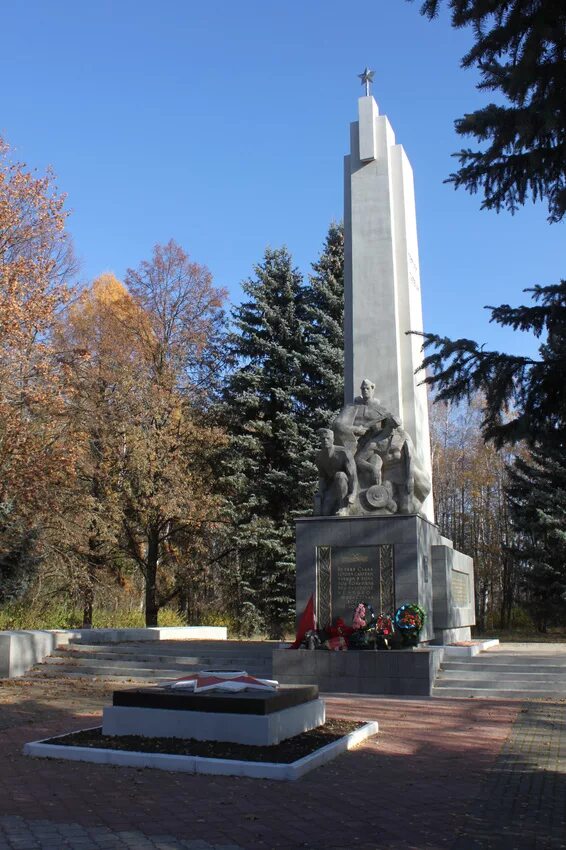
column 366, row 77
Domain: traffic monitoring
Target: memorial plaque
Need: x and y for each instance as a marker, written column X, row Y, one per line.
column 347, row 575
column 460, row 589
column 354, row 578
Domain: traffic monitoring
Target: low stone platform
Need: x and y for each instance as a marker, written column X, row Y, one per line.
column 405, row 672
column 256, row 718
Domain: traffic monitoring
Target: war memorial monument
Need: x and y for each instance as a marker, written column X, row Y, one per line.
column 373, row 535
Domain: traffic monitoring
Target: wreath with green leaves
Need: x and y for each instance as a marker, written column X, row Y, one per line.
column 409, row 620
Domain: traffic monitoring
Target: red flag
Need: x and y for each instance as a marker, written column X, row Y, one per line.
column 306, row 623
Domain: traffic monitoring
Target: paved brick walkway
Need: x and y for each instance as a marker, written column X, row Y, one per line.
column 415, row 786
column 522, row 804
column 30, row 834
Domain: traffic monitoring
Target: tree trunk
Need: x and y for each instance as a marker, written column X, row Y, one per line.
column 182, row 602
column 88, row 600
column 151, row 604
column 480, row 607
column 94, row 562
column 507, row 596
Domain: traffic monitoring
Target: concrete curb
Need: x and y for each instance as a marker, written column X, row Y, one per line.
column 198, row 764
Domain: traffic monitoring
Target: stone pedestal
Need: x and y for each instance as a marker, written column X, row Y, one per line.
column 386, row 561
column 405, row 672
column 383, row 560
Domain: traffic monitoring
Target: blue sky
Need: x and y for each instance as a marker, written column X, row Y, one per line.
column 224, row 125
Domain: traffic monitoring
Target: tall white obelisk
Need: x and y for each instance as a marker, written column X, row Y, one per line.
column 381, row 275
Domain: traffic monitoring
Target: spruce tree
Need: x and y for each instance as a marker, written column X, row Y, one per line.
column 524, row 396
column 520, row 50
column 537, row 496
column 263, row 411
column 324, row 315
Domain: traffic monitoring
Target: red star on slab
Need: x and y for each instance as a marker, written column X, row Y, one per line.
column 231, row 682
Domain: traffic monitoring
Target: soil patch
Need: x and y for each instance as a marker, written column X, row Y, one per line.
column 286, row 752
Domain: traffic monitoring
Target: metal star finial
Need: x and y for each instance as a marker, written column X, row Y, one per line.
column 367, row 78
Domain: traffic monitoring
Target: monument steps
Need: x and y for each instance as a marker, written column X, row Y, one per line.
column 533, row 683
column 155, row 662
column 500, row 674
column 142, row 656
column 118, row 664
column 113, row 658
column 123, row 675
column 510, row 675
column 116, row 660
column 509, row 665
column 168, row 647
column 126, row 672
column 496, row 693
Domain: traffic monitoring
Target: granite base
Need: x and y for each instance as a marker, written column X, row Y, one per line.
column 246, row 718
column 409, row 672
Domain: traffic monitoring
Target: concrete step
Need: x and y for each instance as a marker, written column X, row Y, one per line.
column 496, row 667
column 114, row 677
column 227, row 663
column 117, row 670
column 135, row 664
column 131, row 671
column 493, row 693
column 467, row 676
column 154, row 660
column 502, row 684
column 192, row 647
column 171, row 657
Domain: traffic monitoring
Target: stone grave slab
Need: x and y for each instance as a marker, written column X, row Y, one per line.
column 258, row 718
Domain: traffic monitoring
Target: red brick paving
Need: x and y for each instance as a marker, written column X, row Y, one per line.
column 410, row 787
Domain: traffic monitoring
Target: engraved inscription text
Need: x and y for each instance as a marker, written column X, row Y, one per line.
column 460, row 589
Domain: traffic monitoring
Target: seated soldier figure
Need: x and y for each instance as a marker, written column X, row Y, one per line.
column 366, row 415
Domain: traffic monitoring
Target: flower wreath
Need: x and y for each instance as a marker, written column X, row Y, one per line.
column 384, row 625
column 364, row 616
column 409, row 618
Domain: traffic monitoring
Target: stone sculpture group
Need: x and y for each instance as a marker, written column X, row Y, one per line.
column 367, row 463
